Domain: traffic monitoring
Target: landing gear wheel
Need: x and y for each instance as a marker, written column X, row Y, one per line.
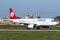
column 38, row 27
column 34, row 26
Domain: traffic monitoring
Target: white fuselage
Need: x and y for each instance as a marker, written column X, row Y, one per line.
column 41, row 21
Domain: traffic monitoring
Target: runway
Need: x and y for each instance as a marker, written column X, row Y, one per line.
column 25, row 30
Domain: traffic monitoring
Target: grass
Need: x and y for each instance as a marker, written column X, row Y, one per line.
column 30, row 35
column 24, row 27
column 12, row 27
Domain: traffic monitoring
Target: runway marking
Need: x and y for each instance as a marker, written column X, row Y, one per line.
column 25, row 30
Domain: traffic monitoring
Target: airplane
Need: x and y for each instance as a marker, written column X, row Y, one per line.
column 32, row 22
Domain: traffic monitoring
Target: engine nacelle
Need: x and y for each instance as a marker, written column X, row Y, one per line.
column 31, row 26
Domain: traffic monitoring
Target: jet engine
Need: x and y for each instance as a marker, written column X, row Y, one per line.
column 31, row 26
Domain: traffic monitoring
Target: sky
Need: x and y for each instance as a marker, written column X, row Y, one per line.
column 45, row 8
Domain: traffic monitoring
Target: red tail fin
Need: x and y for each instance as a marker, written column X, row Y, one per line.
column 12, row 14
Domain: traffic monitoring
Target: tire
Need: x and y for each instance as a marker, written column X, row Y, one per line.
column 34, row 25
column 38, row 27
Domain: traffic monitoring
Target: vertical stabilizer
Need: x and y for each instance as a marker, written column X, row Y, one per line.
column 12, row 14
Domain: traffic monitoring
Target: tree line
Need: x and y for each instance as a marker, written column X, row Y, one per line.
column 57, row 18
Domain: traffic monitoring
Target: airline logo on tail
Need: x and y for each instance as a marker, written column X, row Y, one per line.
column 12, row 14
